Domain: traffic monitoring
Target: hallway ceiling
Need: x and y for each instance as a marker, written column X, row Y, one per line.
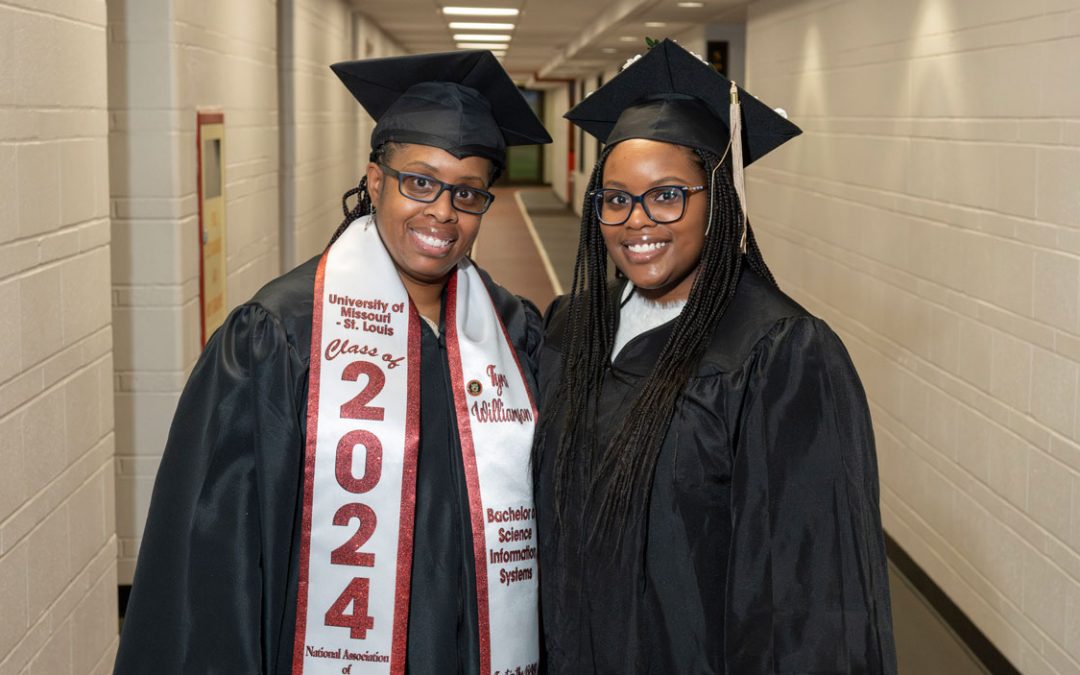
column 552, row 38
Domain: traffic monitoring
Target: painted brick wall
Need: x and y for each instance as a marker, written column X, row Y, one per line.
column 557, row 102
column 931, row 213
column 57, row 528
column 167, row 60
column 321, row 158
column 369, row 41
column 292, row 140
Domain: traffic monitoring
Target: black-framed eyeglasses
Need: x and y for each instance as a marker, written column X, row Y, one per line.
column 662, row 204
column 421, row 188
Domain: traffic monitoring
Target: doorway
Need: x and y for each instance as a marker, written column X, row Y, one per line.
column 525, row 163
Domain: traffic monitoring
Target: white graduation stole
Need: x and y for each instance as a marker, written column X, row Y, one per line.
column 363, row 432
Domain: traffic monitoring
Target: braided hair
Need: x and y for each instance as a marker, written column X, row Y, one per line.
column 380, row 155
column 625, row 468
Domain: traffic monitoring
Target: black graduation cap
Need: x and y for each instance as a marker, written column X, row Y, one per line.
column 462, row 102
column 670, row 95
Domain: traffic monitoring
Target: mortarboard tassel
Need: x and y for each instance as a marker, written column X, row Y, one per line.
column 737, row 173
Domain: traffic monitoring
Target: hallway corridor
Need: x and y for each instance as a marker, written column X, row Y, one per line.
column 161, row 161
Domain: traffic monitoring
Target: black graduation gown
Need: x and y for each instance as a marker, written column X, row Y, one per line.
column 216, row 582
column 763, row 549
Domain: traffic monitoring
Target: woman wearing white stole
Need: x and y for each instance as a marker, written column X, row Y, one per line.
column 346, row 486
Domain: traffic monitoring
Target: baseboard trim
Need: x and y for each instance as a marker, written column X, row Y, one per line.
column 975, row 640
column 123, row 592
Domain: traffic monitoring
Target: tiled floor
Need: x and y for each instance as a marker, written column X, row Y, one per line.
column 557, row 227
column 925, row 644
column 506, row 250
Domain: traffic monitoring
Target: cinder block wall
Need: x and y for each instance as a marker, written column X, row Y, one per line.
column 370, row 40
column 931, row 213
column 169, row 59
column 321, row 136
column 294, row 138
column 556, row 103
column 57, row 541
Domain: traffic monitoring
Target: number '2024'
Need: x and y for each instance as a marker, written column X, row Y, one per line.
column 355, row 594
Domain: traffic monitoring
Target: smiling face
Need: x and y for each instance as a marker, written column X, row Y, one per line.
column 426, row 241
column 661, row 260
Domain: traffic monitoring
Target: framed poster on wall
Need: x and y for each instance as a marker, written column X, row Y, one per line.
column 210, row 137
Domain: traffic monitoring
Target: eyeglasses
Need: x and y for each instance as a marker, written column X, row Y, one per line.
column 662, row 204
column 421, row 188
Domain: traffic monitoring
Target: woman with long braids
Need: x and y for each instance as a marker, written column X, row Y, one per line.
column 707, row 485
column 324, row 497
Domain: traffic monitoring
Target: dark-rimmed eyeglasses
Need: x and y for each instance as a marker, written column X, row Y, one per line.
column 421, row 188
column 662, row 204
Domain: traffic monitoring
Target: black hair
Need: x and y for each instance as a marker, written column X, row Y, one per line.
column 616, row 475
column 380, row 155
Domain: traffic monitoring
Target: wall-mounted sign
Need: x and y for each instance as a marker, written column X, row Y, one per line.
column 210, row 136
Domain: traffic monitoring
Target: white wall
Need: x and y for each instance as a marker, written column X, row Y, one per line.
column 369, row 42
column 226, row 60
column 556, row 103
column 292, row 147
column 692, row 39
column 169, row 59
column 931, row 213
column 57, row 529
column 321, row 132
column 735, row 35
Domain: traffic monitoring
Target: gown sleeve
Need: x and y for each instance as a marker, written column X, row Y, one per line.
column 534, row 331
column 807, row 582
column 215, row 551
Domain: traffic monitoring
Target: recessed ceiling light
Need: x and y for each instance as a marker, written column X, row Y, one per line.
column 691, row 5
column 655, row 24
column 480, row 11
column 481, row 45
column 475, row 25
column 629, row 38
column 472, row 37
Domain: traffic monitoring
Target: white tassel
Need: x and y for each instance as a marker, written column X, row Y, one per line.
column 737, row 173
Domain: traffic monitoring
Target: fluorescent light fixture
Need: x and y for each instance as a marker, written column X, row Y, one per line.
column 608, row 50
column 631, row 38
column 482, row 45
column 480, row 11
column 479, row 37
column 655, row 24
column 691, row 5
column 475, row 25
